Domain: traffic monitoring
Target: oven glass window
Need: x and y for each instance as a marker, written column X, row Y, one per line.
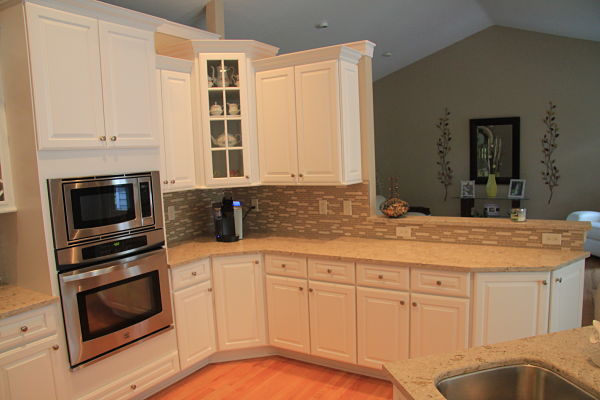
column 112, row 307
column 104, row 205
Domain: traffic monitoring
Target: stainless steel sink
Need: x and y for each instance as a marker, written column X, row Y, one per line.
column 514, row 382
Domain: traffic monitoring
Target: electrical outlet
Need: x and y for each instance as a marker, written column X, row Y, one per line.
column 171, row 213
column 404, row 232
column 347, row 207
column 254, row 203
column 552, row 238
column 323, row 207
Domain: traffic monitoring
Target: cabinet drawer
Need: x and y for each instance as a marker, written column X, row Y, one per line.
column 138, row 381
column 441, row 282
column 287, row 266
column 189, row 274
column 382, row 276
column 27, row 327
column 331, row 271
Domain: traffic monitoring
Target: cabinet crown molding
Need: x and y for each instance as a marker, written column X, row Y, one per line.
column 185, row 32
column 174, row 64
column 341, row 52
column 251, row 48
column 366, row 47
column 103, row 11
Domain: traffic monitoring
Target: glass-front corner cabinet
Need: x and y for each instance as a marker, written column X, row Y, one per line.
column 6, row 195
column 225, row 118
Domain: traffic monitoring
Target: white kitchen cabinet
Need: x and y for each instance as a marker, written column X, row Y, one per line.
column 287, row 306
column 32, row 372
column 309, row 122
column 566, row 297
column 239, row 301
column 438, row 324
column 194, row 312
column 93, row 81
column 333, row 321
column 179, row 168
column 510, row 305
column 382, row 326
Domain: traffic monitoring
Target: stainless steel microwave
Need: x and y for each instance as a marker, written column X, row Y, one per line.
column 99, row 209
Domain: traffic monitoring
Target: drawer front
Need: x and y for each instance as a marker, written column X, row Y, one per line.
column 189, row 274
column 27, row 327
column 441, row 282
column 331, row 271
column 383, row 276
column 284, row 265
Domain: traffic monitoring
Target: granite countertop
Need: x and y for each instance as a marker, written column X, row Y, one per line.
column 566, row 353
column 459, row 257
column 15, row 300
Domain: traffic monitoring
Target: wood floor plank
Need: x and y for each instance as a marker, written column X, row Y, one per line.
column 274, row 378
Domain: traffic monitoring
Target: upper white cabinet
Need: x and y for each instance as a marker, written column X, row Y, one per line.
column 309, row 118
column 174, row 78
column 93, row 81
column 239, row 301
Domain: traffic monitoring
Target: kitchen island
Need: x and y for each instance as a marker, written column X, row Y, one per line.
column 567, row 353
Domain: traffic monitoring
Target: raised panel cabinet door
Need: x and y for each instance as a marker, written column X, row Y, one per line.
column 333, row 321
column 276, row 119
column 66, row 79
column 129, row 86
column 382, row 326
column 317, row 124
column 195, row 323
column 178, row 129
column 350, row 123
column 510, row 305
column 438, row 324
column 287, row 313
column 566, row 297
column 30, row 372
column 239, row 301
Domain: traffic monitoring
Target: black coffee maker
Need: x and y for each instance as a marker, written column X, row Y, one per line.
column 225, row 220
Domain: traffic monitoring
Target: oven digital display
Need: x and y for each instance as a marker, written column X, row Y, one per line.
column 103, row 205
column 118, row 246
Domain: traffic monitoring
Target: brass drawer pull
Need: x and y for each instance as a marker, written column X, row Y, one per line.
column 380, row 276
column 439, row 283
column 24, row 328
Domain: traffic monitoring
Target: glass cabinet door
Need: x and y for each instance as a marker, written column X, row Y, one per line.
column 225, row 111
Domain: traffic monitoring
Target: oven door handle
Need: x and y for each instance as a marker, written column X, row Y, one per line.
column 130, row 262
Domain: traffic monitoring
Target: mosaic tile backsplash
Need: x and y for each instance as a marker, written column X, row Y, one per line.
column 294, row 211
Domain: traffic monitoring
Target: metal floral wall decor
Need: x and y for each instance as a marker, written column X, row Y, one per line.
column 443, row 148
column 550, row 173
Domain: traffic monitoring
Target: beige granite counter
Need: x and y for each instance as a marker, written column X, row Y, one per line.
column 473, row 258
column 15, row 300
column 566, row 353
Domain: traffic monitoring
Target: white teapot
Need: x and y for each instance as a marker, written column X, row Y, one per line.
column 220, row 140
column 216, row 109
column 234, row 108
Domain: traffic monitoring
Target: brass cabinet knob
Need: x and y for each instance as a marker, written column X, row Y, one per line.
column 558, row 280
column 55, row 347
column 210, row 289
column 113, row 138
column 439, row 283
column 166, row 182
column 301, row 288
column 329, row 270
column 414, row 303
column 293, row 175
column 311, row 290
column 300, row 176
column 102, row 138
column 172, row 181
column 133, row 387
column 380, row 276
column 401, row 302
column 247, row 177
column 255, row 261
column 283, row 265
column 544, row 282
column 194, row 273
column 24, row 328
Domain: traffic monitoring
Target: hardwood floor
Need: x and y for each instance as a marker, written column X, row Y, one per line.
column 274, row 378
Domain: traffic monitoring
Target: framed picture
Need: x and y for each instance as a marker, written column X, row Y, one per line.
column 516, row 189
column 467, row 189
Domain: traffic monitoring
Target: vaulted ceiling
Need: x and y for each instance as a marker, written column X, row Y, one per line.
column 408, row 29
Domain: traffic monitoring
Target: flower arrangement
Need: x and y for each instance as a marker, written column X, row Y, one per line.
column 443, row 148
column 492, row 150
column 394, row 207
column 550, row 174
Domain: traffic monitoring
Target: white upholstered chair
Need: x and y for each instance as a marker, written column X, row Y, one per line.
column 592, row 243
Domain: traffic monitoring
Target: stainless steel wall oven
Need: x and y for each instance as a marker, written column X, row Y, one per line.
column 113, row 271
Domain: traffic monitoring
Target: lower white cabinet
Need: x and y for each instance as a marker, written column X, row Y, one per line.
column 566, row 298
column 194, row 318
column 287, row 305
column 382, row 326
column 510, row 305
column 333, row 321
column 31, row 372
column 239, row 301
column 438, row 324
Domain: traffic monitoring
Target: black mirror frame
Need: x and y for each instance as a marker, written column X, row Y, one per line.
column 516, row 148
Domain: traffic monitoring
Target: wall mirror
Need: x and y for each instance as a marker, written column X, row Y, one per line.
column 494, row 148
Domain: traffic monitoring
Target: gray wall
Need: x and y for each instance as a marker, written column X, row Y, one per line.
column 498, row 72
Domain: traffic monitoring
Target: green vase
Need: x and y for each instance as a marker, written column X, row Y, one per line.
column 491, row 189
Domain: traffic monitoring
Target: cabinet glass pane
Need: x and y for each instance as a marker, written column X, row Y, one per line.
column 234, row 132
column 216, row 106
column 1, row 185
column 232, row 70
column 217, row 73
column 236, row 163
column 217, row 134
column 219, row 164
column 233, row 102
